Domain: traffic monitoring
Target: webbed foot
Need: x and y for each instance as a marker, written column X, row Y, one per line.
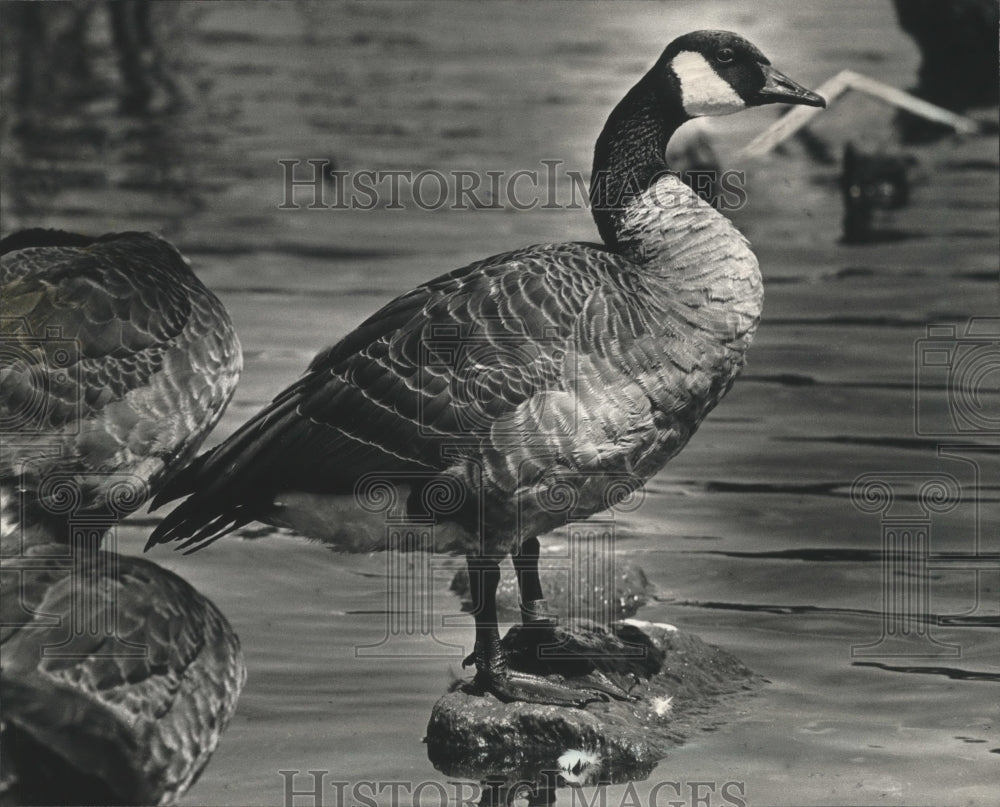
column 494, row 675
column 601, row 683
column 510, row 686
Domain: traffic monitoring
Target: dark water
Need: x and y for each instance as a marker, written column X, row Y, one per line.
column 751, row 535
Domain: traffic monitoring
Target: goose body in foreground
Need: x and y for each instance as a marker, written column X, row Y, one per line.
column 117, row 364
column 128, row 714
column 117, row 677
column 480, row 398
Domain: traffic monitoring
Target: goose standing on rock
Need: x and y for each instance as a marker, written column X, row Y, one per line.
column 472, row 398
column 117, row 677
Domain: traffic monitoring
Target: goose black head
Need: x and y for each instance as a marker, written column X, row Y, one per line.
column 719, row 72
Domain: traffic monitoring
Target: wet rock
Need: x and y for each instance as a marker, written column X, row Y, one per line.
column 673, row 676
column 571, row 596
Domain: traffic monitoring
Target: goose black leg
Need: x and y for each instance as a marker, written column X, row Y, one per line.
column 492, row 672
column 538, row 621
column 534, row 609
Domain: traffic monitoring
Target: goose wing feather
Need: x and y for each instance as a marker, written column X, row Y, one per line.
column 476, row 359
column 120, row 358
column 169, row 670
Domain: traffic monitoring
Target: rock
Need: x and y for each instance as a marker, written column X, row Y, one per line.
column 570, row 598
column 673, row 676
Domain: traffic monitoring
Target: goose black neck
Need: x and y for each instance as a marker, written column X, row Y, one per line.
column 630, row 152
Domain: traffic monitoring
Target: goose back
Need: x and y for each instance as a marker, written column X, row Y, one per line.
column 158, row 690
column 120, row 363
column 564, row 360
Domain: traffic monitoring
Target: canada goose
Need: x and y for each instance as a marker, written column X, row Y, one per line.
column 117, row 364
column 126, row 714
column 476, row 394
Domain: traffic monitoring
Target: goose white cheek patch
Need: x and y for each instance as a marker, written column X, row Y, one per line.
column 703, row 91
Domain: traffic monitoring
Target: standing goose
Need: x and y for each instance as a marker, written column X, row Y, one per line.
column 472, row 398
column 117, row 362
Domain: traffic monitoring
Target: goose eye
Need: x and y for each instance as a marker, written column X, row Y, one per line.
column 724, row 56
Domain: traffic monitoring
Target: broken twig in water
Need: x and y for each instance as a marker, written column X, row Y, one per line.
column 833, row 88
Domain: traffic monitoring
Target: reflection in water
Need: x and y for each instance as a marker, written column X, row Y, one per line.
column 98, row 131
column 538, row 783
column 60, row 51
column 539, row 791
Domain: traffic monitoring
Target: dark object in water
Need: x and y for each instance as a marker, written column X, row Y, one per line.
column 55, row 60
column 697, row 164
column 816, row 148
column 871, row 182
column 133, row 40
column 959, row 66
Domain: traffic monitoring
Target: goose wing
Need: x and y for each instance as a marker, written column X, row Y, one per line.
column 475, row 363
column 158, row 688
column 118, row 359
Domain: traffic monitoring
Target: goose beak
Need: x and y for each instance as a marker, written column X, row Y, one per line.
column 780, row 89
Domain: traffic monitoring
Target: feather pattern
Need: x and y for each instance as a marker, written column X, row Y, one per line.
column 554, row 360
column 118, row 363
column 156, row 692
column 542, row 384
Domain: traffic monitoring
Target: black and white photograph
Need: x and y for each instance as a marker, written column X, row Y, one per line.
column 441, row 403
